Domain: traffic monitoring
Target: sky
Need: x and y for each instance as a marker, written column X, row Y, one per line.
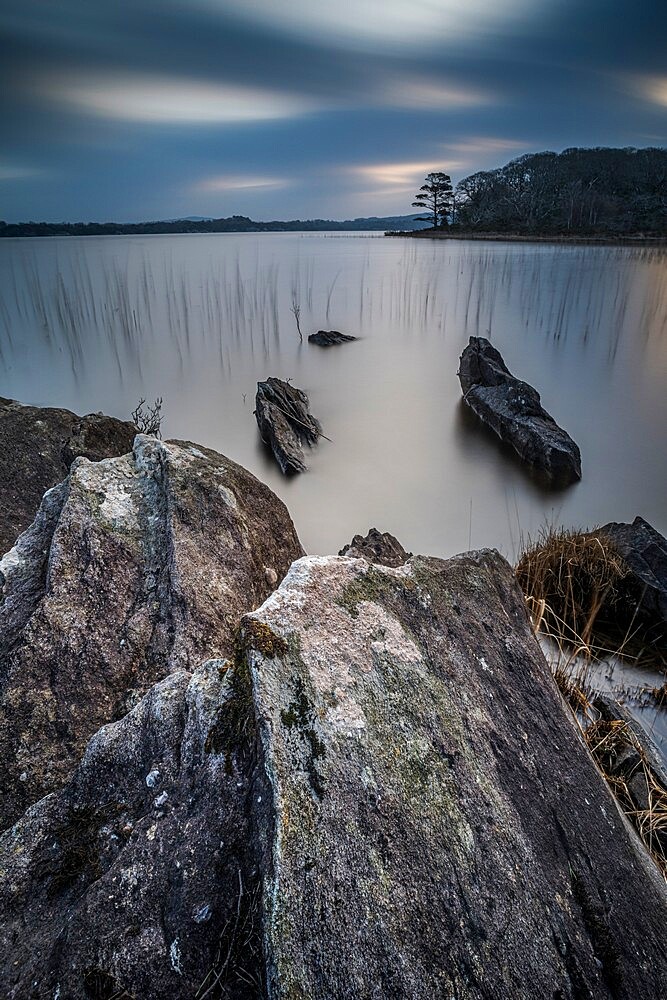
column 132, row 110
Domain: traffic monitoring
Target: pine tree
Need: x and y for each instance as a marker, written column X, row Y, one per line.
column 436, row 197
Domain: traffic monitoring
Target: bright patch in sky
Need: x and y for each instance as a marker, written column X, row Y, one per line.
column 655, row 88
column 433, row 95
column 17, row 172
column 397, row 176
column 379, row 23
column 166, row 100
column 226, row 182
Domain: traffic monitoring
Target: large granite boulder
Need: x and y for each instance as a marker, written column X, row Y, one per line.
column 134, row 567
column 512, row 409
column 37, row 447
column 437, row 827
column 380, row 795
column 137, row 879
column 285, row 423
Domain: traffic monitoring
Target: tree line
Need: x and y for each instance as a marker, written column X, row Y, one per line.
column 578, row 191
column 234, row 224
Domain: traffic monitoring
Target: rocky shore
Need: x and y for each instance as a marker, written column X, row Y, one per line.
column 231, row 770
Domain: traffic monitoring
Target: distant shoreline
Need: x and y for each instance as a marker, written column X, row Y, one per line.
column 581, row 240
column 232, row 224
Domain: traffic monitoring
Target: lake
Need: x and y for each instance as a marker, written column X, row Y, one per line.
column 96, row 323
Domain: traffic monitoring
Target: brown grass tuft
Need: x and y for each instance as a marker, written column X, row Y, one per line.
column 624, row 765
column 578, row 589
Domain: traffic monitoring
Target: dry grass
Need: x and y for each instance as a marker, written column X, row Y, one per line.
column 579, row 588
column 660, row 695
column 621, row 759
column 617, row 752
column 622, row 762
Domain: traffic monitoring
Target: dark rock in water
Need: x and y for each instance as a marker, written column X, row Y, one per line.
column 438, row 828
column 285, row 423
column 378, row 547
column 137, row 879
column 134, row 567
column 329, row 338
column 37, row 447
column 513, row 410
column 644, row 550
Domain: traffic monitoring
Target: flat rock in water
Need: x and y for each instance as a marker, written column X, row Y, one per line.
column 644, row 550
column 134, row 567
column 285, row 423
column 378, row 547
column 37, row 447
column 329, row 338
column 513, row 410
column 437, row 829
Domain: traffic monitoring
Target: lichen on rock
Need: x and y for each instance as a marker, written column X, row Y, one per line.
column 437, row 828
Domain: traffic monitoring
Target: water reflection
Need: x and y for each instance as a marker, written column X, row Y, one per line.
column 97, row 323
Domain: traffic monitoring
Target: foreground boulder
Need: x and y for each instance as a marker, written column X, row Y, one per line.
column 134, row 567
column 513, row 410
column 285, row 423
column 644, row 551
column 378, row 547
column 37, row 447
column 381, row 795
column 438, row 827
column 137, row 879
column 329, row 338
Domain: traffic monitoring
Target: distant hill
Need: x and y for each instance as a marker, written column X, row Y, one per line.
column 576, row 192
column 196, row 224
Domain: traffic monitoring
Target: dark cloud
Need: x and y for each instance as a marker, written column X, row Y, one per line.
column 153, row 108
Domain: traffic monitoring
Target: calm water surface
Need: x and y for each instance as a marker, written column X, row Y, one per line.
column 97, row 323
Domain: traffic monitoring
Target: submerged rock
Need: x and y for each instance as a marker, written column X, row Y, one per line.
column 137, row 879
column 377, row 547
column 37, row 447
column 134, row 567
column 329, row 338
column 513, row 410
column 437, row 827
column 644, row 550
column 285, row 423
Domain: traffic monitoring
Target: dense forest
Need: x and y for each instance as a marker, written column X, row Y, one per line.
column 234, row 224
column 578, row 191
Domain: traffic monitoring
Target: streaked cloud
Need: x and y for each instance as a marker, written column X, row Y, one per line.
column 432, row 94
column 170, row 101
column 18, row 172
column 396, row 178
column 240, row 182
column 484, row 146
column 307, row 108
column 378, row 24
